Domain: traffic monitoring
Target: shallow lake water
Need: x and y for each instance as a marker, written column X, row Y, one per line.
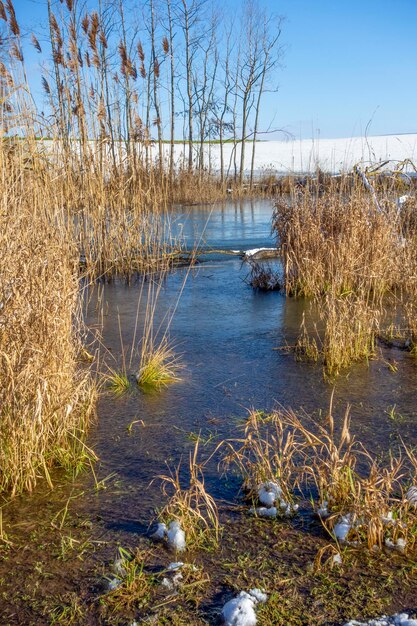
column 229, row 338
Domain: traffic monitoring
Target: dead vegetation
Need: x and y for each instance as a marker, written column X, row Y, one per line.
column 46, row 397
column 360, row 500
column 351, row 250
column 262, row 276
column 192, row 506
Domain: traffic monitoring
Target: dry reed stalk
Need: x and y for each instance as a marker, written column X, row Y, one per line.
column 46, row 399
column 268, row 451
column 326, row 464
column 350, row 328
column 338, row 240
column 193, row 507
column 351, row 258
column 351, row 483
column 330, row 461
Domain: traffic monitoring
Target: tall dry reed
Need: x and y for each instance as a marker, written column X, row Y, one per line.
column 46, row 397
column 353, row 253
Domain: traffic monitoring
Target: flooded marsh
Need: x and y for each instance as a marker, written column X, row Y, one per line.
column 233, row 345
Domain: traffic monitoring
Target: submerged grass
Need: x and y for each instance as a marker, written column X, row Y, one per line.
column 118, row 382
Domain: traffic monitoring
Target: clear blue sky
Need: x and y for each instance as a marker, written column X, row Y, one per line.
column 346, row 61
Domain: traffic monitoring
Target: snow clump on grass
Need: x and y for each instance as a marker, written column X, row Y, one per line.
column 240, row 611
column 160, row 532
column 401, row 619
column 269, row 492
column 398, row 545
column 176, row 537
column 342, row 528
column 411, row 496
column 271, row 496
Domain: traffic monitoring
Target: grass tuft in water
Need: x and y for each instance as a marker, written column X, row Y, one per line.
column 118, row 382
column 159, row 366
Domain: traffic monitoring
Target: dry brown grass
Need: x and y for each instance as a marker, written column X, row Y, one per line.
column 353, row 259
column 339, row 240
column 321, row 461
column 262, row 276
column 267, row 451
column 193, row 507
column 46, row 398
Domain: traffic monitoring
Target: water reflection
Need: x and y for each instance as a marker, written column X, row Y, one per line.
column 228, row 336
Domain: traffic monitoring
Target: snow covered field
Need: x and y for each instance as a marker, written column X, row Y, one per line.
column 290, row 156
column 302, row 156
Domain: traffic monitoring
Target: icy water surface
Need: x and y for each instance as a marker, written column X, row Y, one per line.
column 230, row 339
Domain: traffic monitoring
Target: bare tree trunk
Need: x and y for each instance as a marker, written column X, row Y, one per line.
column 188, row 66
column 227, row 89
column 155, row 65
column 56, row 53
column 234, row 115
column 255, row 128
column 243, row 137
column 270, row 61
column 172, row 80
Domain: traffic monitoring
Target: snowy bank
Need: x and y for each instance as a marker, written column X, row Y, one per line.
column 306, row 155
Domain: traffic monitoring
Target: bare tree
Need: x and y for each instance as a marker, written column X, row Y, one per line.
column 271, row 53
column 169, row 49
column 190, row 14
column 156, row 72
column 204, row 88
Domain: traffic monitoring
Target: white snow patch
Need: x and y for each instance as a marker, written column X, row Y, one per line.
column 306, row 155
column 388, row 518
column 176, row 536
column 263, row 511
column 401, row 544
column 254, row 251
column 114, row 583
column 269, row 492
column 174, row 582
column 403, row 199
column 175, row 577
column 160, row 531
column 260, row 596
column 240, row 611
column 173, row 567
column 400, row 619
column 342, row 528
column 323, row 510
column 398, row 545
column 289, row 509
